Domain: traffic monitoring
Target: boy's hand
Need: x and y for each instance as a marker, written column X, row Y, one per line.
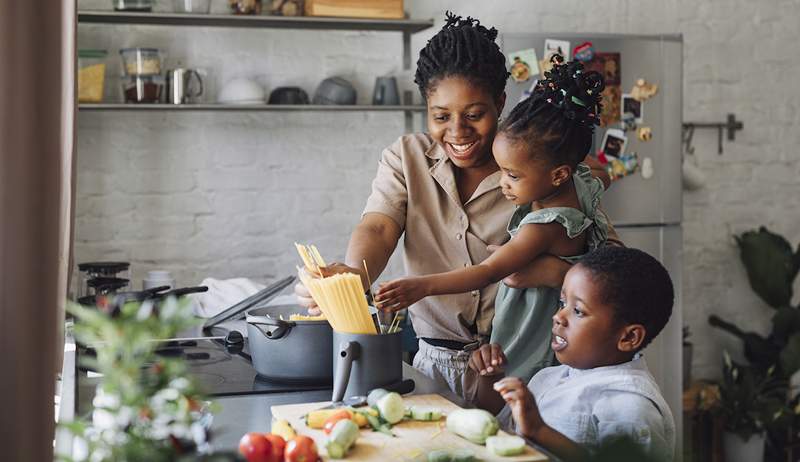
column 400, row 293
column 522, row 404
column 488, row 360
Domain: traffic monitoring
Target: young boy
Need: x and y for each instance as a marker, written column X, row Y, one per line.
column 613, row 303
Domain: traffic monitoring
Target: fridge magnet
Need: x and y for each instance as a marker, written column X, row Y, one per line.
column 645, row 134
column 647, row 168
column 584, row 52
column 643, row 90
column 628, row 122
column 557, row 46
column 633, row 107
column 614, row 141
column 523, row 65
column 609, row 66
column 622, row 166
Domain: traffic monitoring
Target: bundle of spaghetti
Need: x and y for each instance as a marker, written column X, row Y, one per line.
column 311, row 257
column 342, row 301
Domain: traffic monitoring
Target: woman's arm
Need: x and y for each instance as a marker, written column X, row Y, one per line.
column 531, row 241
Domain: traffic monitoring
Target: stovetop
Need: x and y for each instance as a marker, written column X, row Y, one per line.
column 221, row 371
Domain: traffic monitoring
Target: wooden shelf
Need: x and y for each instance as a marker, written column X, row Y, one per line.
column 248, row 107
column 256, row 21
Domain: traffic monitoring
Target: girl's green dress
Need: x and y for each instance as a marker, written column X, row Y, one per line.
column 523, row 317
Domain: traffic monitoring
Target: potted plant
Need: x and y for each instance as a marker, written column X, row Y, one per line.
column 749, row 402
column 146, row 407
column 687, row 358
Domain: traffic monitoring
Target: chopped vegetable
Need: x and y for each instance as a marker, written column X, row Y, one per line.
column 330, row 422
column 391, row 407
column 505, row 445
column 472, row 424
column 464, row 455
column 341, row 438
column 375, row 395
column 425, row 413
column 316, row 419
column 283, row 428
column 379, row 426
column 440, row 455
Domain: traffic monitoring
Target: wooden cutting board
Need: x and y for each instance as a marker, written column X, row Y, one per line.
column 413, row 439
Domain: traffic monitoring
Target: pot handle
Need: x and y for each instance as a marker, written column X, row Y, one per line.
column 348, row 352
column 276, row 329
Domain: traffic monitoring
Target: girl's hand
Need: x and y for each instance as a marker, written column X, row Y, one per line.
column 400, row 293
column 488, row 360
column 522, row 404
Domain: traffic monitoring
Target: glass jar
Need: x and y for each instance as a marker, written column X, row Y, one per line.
column 192, row 6
column 132, row 5
column 142, row 89
column 91, row 75
column 245, row 6
column 140, row 61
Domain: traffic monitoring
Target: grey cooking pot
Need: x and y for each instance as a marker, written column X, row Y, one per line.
column 364, row 362
column 289, row 351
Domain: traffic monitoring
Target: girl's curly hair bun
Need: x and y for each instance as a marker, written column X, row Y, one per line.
column 576, row 92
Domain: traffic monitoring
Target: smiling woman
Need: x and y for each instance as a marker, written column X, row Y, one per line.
column 441, row 192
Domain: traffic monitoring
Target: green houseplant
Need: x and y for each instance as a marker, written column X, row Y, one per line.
column 772, row 266
column 146, row 407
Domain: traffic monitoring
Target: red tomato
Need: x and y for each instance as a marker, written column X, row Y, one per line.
column 331, row 421
column 278, row 446
column 255, row 447
column 301, row 449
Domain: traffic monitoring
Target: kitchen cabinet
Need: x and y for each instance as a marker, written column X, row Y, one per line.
column 406, row 27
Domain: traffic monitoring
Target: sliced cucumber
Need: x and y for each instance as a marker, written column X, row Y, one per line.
column 375, row 395
column 464, row 455
column 425, row 413
column 391, row 407
column 505, row 445
column 440, row 455
column 342, row 437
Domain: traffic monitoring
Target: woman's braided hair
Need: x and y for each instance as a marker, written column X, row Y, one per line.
column 466, row 49
column 559, row 117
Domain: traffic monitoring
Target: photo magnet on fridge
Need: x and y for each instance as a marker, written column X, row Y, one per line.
column 632, row 107
column 614, row 141
column 524, row 64
column 561, row 47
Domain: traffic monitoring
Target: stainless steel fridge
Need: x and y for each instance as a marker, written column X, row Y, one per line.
column 646, row 209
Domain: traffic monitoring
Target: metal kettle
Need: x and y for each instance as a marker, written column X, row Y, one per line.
column 183, row 86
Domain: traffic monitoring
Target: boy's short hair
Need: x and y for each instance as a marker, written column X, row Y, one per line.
column 635, row 284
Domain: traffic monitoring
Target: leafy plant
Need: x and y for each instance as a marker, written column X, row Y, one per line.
column 749, row 400
column 146, row 407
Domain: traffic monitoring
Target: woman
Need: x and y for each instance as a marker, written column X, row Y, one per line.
column 441, row 190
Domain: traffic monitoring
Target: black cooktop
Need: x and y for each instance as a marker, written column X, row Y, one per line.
column 224, row 371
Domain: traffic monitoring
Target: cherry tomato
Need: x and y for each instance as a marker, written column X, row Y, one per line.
column 301, row 449
column 255, row 447
column 278, row 446
column 331, row 421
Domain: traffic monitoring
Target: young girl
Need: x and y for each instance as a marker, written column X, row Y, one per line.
column 538, row 149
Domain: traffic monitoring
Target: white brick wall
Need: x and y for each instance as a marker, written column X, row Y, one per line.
column 211, row 194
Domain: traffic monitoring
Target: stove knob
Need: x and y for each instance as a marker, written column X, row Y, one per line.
column 234, row 338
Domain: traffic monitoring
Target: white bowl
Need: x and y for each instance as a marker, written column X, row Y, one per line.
column 242, row 91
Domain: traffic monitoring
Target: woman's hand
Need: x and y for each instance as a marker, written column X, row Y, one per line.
column 400, row 293
column 544, row 271
column 304, row 298
column 488, row 360
column 522, row 404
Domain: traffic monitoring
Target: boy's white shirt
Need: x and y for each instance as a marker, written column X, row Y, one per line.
column 592, row 406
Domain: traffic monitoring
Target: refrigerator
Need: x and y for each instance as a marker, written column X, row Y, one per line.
column 645, row 206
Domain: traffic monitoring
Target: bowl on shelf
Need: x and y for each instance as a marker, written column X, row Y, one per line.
column 192, row 6
column 288, row 95
column 241, row 91
column 335, row 91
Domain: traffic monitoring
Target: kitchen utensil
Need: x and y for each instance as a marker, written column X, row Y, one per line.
column 140, row 61
column 335, row 90
column 106, row 285
column 241, row 91
column 142, row 89
column 363, row 362
column 183, row 86
column 158, row 278
column 263, row 296
column 192, row 6
column 403, row 387
column 91, row 75
column 386, row 93
column 284, row 350
column 132, row 5
column 97, row 269
column 288, row 95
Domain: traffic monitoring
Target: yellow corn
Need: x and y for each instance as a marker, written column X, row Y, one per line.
column 316, row 419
